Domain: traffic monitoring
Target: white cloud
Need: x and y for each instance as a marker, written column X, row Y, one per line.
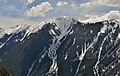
column 114, row 14
column 93, row 3
column 30, row 1
column 61, row 4
column 39, row 10
column 27, row 1
column 87, row 5
column 114, row 3
column 74, row 6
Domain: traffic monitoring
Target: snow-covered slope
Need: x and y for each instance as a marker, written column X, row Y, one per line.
column 111, row 15
column 61, row 21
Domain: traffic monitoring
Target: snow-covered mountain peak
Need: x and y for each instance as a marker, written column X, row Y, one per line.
column 11, row 30
column 60, row 21
column 1, row 29
column 111, row 15
column 65, row 18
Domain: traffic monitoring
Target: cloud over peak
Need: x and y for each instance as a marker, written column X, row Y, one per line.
column 114, row 14
column 39, row 10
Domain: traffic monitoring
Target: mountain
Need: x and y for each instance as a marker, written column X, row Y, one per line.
column 62, row 47
column 97, row 18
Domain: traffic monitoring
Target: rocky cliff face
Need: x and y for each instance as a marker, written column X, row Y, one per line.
column 62, row 47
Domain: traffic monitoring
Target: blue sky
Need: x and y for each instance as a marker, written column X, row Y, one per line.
column 14, row 12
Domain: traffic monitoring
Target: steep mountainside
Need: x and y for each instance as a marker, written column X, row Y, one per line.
column 62, row 47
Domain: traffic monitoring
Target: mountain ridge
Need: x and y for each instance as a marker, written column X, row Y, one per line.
column 62, row 47
column 16, row 28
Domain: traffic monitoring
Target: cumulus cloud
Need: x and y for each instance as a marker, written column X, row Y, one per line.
column 39, row 10
column 30, row 1
column 114, row 14
column 92, row 3
column 87, row 5
column 61, row 4
column 74, row 6
column 67, row 5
